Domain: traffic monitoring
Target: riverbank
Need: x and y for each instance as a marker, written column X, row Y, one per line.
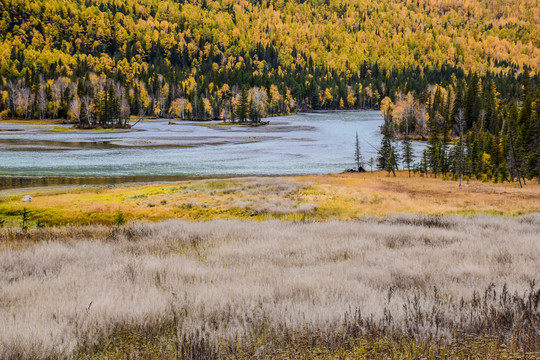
column 312, row 197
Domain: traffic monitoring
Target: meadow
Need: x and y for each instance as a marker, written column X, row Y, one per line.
column 313, row 197
column 407, row 286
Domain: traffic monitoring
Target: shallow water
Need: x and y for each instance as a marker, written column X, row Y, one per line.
column 314, row 143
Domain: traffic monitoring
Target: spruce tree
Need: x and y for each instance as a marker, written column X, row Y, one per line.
column 408, row 153
column 391, row 164
column 515, row 159
column 242, row 108
column 385, row 150
column 472, row 103
column 83, row 114
column 536, row 129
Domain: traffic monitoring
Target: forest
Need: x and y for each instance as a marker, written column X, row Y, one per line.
column 470, row 130
column 93, row 61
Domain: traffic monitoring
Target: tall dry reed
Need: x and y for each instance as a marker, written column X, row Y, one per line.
column 257, row 286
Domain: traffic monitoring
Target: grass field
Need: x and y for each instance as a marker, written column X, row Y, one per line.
column 314, row 197
column 348, row 266
column 407, row 287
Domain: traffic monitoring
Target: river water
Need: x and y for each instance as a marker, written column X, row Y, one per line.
column 314, row 143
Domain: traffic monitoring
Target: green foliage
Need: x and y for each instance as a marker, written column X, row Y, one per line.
column 120, row 219
column 408, row 153
column 243, row 107
column 25, row 219
column 473, row 132
column 40, row 224
column 385, row 151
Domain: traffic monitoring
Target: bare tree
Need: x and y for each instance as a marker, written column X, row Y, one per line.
column 74, row 111
column 125, row 110
column 24, row 99
column 358, row 158
column 42, row 102
column 259, row 104
column 90, row 106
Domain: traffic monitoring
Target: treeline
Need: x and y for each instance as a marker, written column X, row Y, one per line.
column 99, row 99
column 99, row 62
column 470, row 129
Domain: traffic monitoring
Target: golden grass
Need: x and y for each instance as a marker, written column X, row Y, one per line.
column 347, row 196
column 317, row 197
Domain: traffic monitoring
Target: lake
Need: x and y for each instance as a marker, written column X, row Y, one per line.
column 311, row 143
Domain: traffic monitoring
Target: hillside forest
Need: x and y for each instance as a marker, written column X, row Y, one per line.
column 452, row 72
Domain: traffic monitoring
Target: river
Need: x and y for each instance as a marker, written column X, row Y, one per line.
column 311, row 143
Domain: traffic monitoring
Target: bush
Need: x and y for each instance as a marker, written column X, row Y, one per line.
column 120, row 219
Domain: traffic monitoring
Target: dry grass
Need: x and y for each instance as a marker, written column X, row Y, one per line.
column 316, row 197
column 400, row 287
column 346, row 196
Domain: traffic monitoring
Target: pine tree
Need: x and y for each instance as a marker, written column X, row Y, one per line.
column 536, row 129
column 472, row 106
column 392, row 162
column 458, row 106
column 460, row 120
column 385, row 150
column 242, row 108
column 490, row 100
column 514, row 156
column 408, row 153
column 525, row 81
column 83, row 114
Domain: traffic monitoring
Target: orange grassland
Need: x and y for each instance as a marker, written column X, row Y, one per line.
column 348, row 196
column 308, row 197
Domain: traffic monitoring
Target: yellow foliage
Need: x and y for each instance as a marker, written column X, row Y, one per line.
column 486, row 161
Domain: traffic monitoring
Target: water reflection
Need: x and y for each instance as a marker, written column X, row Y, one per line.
column 9, row 182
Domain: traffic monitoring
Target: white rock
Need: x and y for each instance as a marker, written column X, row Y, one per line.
column 27, row 198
